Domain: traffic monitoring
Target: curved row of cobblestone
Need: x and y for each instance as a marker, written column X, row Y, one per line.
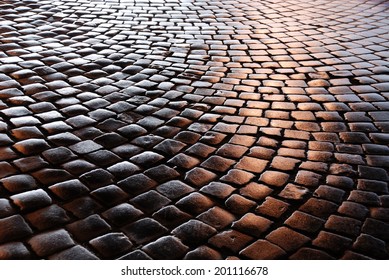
column 167, row 129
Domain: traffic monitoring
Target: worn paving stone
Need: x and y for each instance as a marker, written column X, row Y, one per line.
column 304, row 222
column 263, row 250
column 88, row 228
column 14, row 227
column 370, row 246
column 150, row 201
column 194, row 232
column 203, row 253
column 48, row 243
column 14, row 251
column 31, row 200
column 144, row 230
column 252, row 224
column 233, row 241
column 166, row 248
column 182, row 117
column 287, row 239
column 74, row 253
column 19, row 183
column 111, row 244
column 310, row 254
column 122, row 214
column 174, row 189
column 51, row 216
column 272, row 207
column 319, row 207
column 69, row 189
column 376, row 228
column 334, row 243
column 109, row 195
column 343, row 225
column 217, row 217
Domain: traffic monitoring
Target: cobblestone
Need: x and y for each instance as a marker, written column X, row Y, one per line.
column 287, row 239
column 196, row 130
column 14, row 251
column 88, row 228
column 51, row 242
column 203, row 253
column 370, row 246
column 263, row 250
column 166, row 248
column 111, row 244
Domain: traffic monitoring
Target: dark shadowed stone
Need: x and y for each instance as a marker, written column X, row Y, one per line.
column 19, row 183
column 332, row 242
column 231, row 240
column 74, row 253
column 111, row 244
column 171, row 216
column 371, row 246
column 88, row 228
column 146, row 159
column 69, row 189
column 174, row 189
column 150, row 201
column 110, row 195
column 310, row 254
column 162, row 173
column 319, row 207
column 343, row 225
column 6, row 169
column 376, row 228
column 31, row 146
column 13, row 227
column 136, row 255
column 48, row 243
column 194, row 232
column 14, row 251
column 144, row 230
column 97, row 178
column 195, row 203
column 48, row 217
column 166, row 248
column 217, row 217
column 50, row 176
column 6, row 209
column 122, row 214
column 83, row 207
column 136, row 184
column 58, row 155
column 238, row 204
column 203, row 253
column 31, row 200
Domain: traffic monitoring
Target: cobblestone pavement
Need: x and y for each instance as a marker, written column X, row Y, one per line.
column 194, row 129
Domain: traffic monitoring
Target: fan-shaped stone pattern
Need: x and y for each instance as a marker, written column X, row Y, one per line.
column 188, row 134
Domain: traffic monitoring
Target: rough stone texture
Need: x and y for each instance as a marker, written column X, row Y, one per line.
column 263, row 250
column 166, row 248
column 14, row 251
column 111, row 244
column 51, row 242
column 287, row 239
column 210, row 128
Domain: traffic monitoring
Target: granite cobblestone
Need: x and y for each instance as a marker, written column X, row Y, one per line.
column 197, row 130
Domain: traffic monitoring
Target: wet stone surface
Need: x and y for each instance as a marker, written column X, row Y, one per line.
column 194, row 130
